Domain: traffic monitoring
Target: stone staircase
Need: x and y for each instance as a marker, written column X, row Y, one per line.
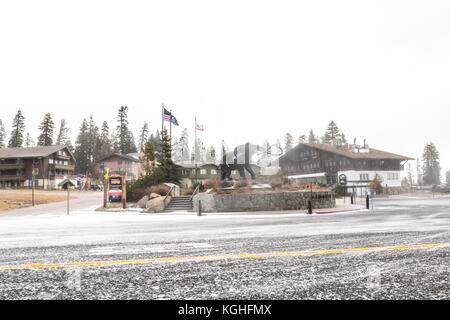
column 181, row 203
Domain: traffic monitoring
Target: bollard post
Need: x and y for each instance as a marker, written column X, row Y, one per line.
column 367, row 202
column 124, row 193
column 199, row 209
column 68, row 197
column 351, row 199
column 309, row 206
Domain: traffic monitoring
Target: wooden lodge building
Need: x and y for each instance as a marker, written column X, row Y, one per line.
column 127, row 165
column 189, row 173
column 52, row 164
column 325, row 163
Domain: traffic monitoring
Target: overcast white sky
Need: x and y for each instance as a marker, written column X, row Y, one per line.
column 249, row 70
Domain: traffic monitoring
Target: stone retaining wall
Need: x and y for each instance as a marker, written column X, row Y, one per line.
column 270, row 201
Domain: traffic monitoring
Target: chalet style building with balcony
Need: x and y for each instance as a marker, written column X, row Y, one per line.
column 51, row 164
column 127, row 165
column 325, row 163
column 189, row 173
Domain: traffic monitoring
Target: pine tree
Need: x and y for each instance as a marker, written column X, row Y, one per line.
column 16, row 138
column 124, row 135
column 431, row 168
column 63, row 136
column 47, row 127
column 29, row 141
column 211, row 155
column 94, row 143
column 148, row 159
column 114, row 143
column 131, row 143
column 199, row 150
column 183, row 145
column 279, row 147
column 267, row 148
column 165, row 159
column 376, row 184
column 2, row 135
column 419, row 173
column 312, row 137
column 301, row 138
column 343, row 138
column 82, row 148
column 288, row 142
column 143, row 137
column 155, row 139
column 331, row 134
column 86, row 147
column 105, row 145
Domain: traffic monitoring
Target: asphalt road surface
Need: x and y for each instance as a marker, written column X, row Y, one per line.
column 400, row 250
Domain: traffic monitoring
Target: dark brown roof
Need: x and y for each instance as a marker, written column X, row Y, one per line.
column 30, row 152
column 345, row 150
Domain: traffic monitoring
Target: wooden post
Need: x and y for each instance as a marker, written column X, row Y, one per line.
column 105, row 192
column 32, row 182
column 124, row 193
column 68, row 195
column 32, row 192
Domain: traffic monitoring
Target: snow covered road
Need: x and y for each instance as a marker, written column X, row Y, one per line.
column 87, row 235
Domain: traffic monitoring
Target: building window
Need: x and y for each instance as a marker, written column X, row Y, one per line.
column 364, row 176
column 202, row 171
column 392, row 176
column 213, row 171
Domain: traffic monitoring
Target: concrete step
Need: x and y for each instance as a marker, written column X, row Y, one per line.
column 182, row 203
column 179, row 205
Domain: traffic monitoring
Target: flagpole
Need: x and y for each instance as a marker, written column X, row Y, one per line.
column 162, row 118
column 195, row 147
column 170, row 130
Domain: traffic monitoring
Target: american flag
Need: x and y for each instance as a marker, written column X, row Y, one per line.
column 169, row 117
column 199, row 127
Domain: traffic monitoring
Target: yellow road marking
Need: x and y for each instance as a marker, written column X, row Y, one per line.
column 219, row 257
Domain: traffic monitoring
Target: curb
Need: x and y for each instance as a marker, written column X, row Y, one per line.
column 327, row 212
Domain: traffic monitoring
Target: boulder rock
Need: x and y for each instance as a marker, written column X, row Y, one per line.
column 155, row 205
column 141, row 203
column 154, row 195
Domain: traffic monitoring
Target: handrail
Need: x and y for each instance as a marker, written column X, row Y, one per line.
column 171, row 188
column 196, row 190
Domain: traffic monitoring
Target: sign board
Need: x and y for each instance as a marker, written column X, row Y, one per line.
column 342, row 179
column 115, row 186
column 115, row 181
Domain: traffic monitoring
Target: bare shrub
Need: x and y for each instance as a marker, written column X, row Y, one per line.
column 241, row 183
column 160, row 189
column 211, row 183
column 139, row 193
column 187, row 192
column 224, row 184
column 276, row 182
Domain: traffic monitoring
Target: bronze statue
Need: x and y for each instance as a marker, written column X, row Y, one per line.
column 239, row 159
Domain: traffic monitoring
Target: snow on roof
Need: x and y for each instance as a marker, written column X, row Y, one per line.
column 30, row 152
column 346, row 150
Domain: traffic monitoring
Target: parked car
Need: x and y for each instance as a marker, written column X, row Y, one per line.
column 96, row 187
